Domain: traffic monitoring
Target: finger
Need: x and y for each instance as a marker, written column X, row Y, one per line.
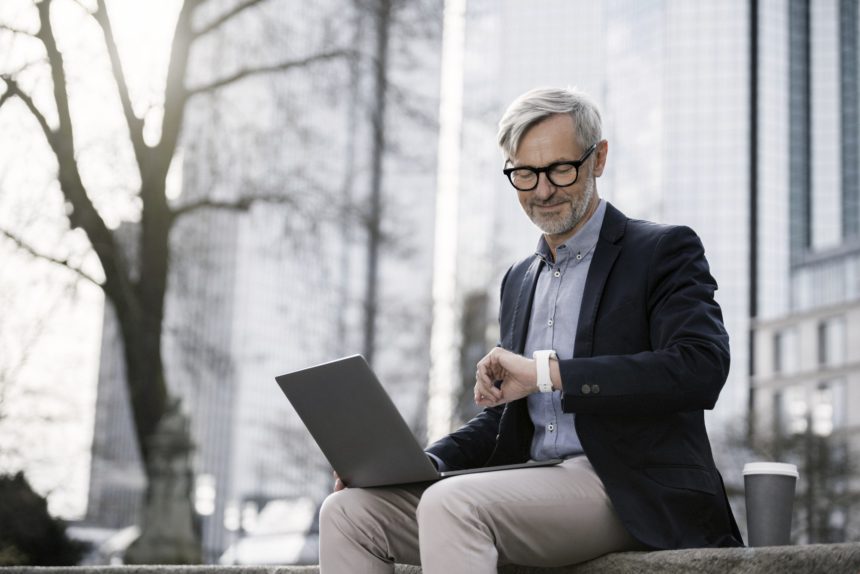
column 494, row 370
column 487, row 377
column 486, row 401
column 482, row 397
column 338, row 483
column 484, row 394
column 486, row 386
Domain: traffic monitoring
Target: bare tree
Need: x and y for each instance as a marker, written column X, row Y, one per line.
column 135, row 284
column 394, row 25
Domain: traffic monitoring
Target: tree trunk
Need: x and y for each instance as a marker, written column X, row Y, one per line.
column 382, row 25
column 168, row 531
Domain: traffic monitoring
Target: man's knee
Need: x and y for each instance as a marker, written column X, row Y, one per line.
column 445, row 502
column 346, row 509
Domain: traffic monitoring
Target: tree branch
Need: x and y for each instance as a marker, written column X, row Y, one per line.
column 14, row 30
column 135, row 124
column 12, row 89
column 239, row 204
column 279, row 67
column 225, row 17
column 6, row 96
column 24, row 67
column 118, row 286
column 175, row 95
column 21, row 244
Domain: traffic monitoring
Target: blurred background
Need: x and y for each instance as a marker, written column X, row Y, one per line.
column 198, row 196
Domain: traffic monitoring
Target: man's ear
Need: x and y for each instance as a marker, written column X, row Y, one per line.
column 600, row 161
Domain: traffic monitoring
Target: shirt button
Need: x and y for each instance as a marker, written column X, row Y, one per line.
column 578, row 256
column 550, row 427
column 549, row 322
column 557, row 273
column 586, row 389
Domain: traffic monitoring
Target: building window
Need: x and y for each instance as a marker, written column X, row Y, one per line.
column 785, row 352
column 799, row 409
column 795, row 410
column 827, row 407
column 831, row 342
column 778, row 411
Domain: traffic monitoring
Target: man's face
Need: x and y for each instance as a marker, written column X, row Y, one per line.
column 556, row 210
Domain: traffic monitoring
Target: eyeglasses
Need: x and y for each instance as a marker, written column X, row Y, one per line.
column 560, row 173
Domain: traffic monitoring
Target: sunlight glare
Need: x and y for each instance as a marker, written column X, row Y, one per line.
column 143, row 30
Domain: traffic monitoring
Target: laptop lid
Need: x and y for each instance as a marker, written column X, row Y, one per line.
column 356, row 424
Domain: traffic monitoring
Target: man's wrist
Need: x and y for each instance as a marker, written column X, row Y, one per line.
column 555, row 374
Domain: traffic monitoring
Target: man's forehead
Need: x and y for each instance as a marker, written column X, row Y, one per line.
column 556, row 133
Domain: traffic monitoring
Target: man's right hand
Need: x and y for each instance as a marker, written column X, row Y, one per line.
column 338, row 483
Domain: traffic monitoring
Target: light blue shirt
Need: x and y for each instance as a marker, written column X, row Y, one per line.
column 552, row 325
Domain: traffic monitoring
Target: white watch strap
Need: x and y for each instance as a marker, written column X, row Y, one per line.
column 542, row 358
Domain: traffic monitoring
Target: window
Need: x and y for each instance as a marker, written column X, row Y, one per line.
column 785, row 351
column 831, row 342
column 820, row 409
column 828, row 407
column 795, row 410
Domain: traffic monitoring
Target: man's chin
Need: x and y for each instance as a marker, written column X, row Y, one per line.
column 553, row 227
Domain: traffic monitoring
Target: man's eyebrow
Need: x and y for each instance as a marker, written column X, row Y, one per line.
column 510, row 163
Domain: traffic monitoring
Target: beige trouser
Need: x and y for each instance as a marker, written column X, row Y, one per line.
column 546, row 516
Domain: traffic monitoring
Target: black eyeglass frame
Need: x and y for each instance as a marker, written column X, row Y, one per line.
column 548, row 169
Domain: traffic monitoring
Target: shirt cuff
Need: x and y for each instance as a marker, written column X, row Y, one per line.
column 438, row 462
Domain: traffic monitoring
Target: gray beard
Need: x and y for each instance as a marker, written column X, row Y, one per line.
column 557, row 226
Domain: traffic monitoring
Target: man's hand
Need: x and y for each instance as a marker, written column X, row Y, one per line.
column 338, row 483
column 516, row 373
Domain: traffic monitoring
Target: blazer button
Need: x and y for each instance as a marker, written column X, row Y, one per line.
column 586, row 389
column 595, row 389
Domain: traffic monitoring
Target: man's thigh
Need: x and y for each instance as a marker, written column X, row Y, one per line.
column 546, row 516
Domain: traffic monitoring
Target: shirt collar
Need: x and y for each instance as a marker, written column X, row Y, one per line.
column 582, row 242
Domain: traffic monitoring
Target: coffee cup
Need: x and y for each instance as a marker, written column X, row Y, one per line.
column 769, row 491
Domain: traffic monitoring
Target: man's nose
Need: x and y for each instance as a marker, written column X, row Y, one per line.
column 544, row 188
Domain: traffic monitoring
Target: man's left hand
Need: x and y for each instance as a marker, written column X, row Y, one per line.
column 517, row 374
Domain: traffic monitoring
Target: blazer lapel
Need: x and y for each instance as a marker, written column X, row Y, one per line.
column 523, row 308
column 605, row 254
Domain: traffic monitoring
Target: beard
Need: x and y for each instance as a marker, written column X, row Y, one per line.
column 565, row 221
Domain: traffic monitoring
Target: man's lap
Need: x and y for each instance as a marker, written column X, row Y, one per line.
column 537, row 516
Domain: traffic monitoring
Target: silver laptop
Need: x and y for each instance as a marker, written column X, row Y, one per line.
column 358, row 428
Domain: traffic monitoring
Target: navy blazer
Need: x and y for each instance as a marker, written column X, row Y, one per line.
column 651, row 354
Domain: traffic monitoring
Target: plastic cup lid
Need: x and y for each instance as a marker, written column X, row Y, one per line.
column 771, row 468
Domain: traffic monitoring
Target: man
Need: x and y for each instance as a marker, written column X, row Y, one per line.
column 611, row 348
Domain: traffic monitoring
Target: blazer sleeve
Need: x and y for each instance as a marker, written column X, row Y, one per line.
column 471, row 445
column 684, row 364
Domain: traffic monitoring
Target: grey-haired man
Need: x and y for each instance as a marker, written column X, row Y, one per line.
column 612, row 347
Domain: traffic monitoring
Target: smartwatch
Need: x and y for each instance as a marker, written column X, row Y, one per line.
column 542, row 358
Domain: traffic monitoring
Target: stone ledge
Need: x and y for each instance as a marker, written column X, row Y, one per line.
column 809, row 559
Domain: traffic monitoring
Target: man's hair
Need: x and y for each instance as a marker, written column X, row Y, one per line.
column 540, row 103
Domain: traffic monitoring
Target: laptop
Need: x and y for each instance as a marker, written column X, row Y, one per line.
column 358, row 428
